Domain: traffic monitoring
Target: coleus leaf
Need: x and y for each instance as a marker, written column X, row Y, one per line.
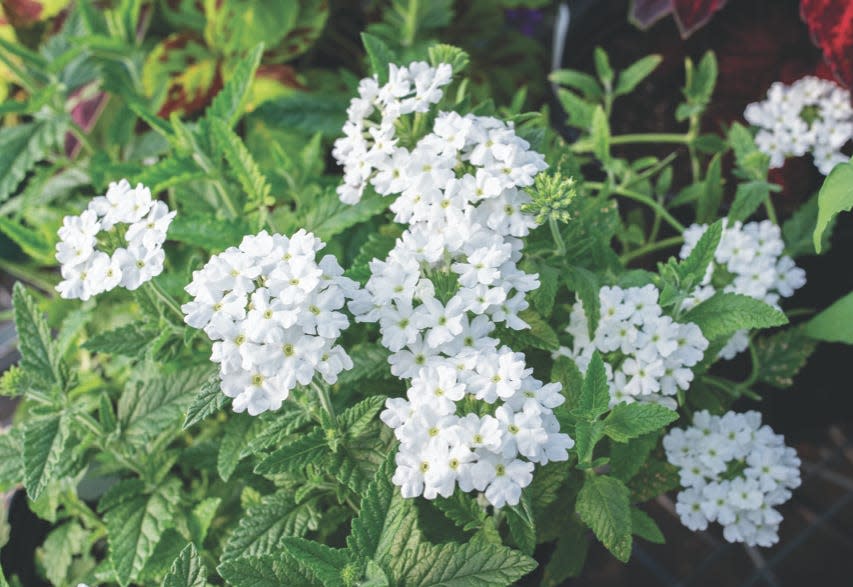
column 830, row 23
column 690, row 15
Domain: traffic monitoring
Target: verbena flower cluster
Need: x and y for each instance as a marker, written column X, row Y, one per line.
column 647, row 355
column 748, row 261
column 137, row 249
column 273, row 312
column 450, row 277
column 734, row 471
column 810, row 116
column 370, row 141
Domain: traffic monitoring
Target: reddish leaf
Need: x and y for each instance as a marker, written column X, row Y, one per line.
column 693, row 14
column 645, row 13
column 831, row 25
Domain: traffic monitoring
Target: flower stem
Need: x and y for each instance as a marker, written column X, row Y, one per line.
column 681, row 139
column 651, row 247
column 558, row 238
column 166, row 298
column 643, row 199
column 325, row 401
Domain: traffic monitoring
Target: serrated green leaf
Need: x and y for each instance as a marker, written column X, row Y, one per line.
column 170, row 172
column 209, row 400
column 329, row 216
column 309, row 112
column 241, row 162
column 38, row 354
column 134, row 528
column 11, row 460
column 631, row 76
column 835, row 196
column 148, row 408
column 781, row 356
column 377, row 247
column 626, row 458
column 379, row 55
column 201, row 517
column 567, row 373
column 262, row 528
column 356, row 420
column 32, row 242
column 467, row 565
column 269, row 570
column 231, row 445
column 187, row 570
column 130, row 340
column 653, row 479
column 585, row 284
column 603, row 504
column 712, row 193
column 295, row 455
column 834, row 323
column 544, row 296
column 595, row 393
column 461, row 509
column 522, row 524
column 748, row 197
column 211, row 234
column 569, row 555
column 370, row 361
column 723, row 314
column 540, row 335
column 691, row 271
column 587, row 434
column 602, row 66
column 644, row 526
column 318, row 560
column 627, row 421
column 44, row 444
column 579, row 110
column 229, row 103
column 23, row 146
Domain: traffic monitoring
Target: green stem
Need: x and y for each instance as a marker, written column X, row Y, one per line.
column 166, row 298
column 325, row 401
column 643, row 199
column 82, row 137
column 651, row 247
column 558, row 238
column 681, row 139
column 771, row 211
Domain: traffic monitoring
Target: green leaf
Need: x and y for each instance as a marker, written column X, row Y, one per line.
column 723, row 314
column 211, row 234
column 236, row 433
column 579, row 110
column 602, row 67
column 654, row 478
column 170, row 172
column 358, row 419
column 797, row 231
column 691, row 271
column 626, row 458
column 130, row 340
column 540, row 335
column 595, row 393
column 467, row 565
column 329, row 216
column 370, row 361
column 644, row 526
column 569, row 555
column 748, row 198
column 379, row 55
column 309, row 112
column 522, row 524
column 635, row 73
column 228, row 104
column 603, row 504
column 134, row 527
column 295, row 455
column 148, row 408
column 836, row 195
column 201, row 518
column 587, row 435
column 453, row 56
column 586, row 286
column 38, row 354
column 578, row 80
column 322, row 562
column 44, row 445
column 264, row 526
column 544, row 296
column 208, row 401
column 32, row 242
column 627, row 421
column 187, row 570
column 834, row 324
column 599, row 134
column 781, row 356
column 58, row 550
column 23, row 146
column 269, row 570
column 11, row 460
column 703, row 82
column 712, row 194
column 241, row 162
column 461, row 509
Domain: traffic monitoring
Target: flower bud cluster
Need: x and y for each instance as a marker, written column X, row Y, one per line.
column 748, row 261
column 274, row 315
column 88, row 271
column 450, row 277
column 647, row 355
column 810, row 116
column 734, row 471
column 370, row 140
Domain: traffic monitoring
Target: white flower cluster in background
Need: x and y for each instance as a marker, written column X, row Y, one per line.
column 734, row 471
column 748, row 261
column 88, row 271
column 273, row 312
column 811, row 115
column 647, row 355
column 459, row 192
column 370, row 141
